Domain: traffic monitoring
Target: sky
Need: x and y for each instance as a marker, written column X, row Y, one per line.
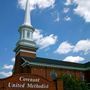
column 62, row 30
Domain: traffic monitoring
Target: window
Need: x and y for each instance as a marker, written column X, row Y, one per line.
column 28, row 34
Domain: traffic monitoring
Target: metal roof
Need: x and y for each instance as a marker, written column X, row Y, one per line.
column 38, row 61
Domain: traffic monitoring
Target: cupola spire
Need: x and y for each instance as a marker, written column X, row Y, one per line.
column 26, row 45
column 27, row 18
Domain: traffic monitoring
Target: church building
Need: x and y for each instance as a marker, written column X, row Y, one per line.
column 31, row 72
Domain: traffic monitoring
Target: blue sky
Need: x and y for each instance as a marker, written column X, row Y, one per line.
column 62, row 30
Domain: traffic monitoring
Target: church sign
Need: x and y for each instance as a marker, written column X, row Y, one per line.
column 25, row 82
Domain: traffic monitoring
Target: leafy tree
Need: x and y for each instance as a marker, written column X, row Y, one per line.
column 71, row 83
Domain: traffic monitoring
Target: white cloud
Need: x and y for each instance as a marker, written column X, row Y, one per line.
column 45, row 3
column 57, row 19
column 82, row 45
column 83, row 9
column 37, row 35
column 67, row 18
column 68, row 2
column 64, row 48
column 56, row 16
column 6, row 74
column 42, row 41
column 8, row 66
column 74, row 59
column 66, row 10
column 42, row 4
column 47, row 41
column 13, row 59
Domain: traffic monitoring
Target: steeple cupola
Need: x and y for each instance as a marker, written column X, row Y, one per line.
column 26, row 45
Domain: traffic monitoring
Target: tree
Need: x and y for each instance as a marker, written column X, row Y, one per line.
column 71, row 83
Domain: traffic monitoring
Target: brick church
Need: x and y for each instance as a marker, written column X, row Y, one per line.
column 35, row 73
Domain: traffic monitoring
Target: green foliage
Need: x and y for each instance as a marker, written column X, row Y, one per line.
column 71, row 83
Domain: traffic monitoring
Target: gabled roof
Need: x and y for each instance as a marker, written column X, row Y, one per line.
column 55, row 63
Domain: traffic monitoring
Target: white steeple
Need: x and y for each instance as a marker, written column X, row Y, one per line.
column 26, row 45
column 27, row 19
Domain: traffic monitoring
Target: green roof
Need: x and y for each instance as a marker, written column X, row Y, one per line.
column 56, row 63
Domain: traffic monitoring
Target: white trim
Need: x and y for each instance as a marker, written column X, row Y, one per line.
column 21, row 50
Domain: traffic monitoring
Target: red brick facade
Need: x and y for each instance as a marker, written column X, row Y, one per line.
column 41, row 72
